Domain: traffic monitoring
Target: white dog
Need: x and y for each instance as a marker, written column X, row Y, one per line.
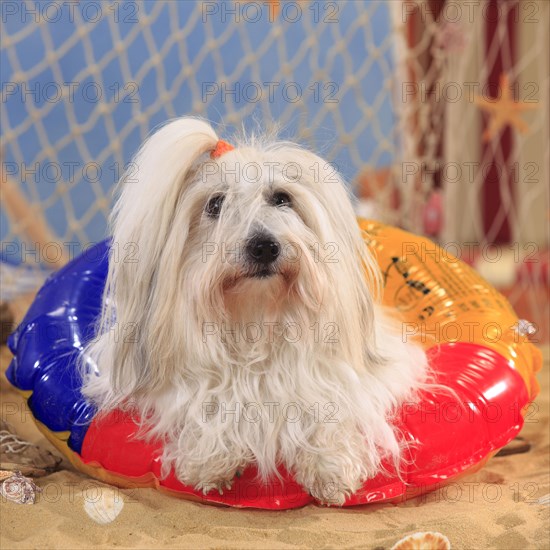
column 247, row 332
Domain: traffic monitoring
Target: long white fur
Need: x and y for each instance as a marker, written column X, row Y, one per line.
column 317, row 405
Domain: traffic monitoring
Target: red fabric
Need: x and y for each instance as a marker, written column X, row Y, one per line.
column 450, row 436
column 497, row 166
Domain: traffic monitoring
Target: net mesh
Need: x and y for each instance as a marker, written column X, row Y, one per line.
column 367, row 84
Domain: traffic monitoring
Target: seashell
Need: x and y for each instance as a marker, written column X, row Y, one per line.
column 106, row 508
column 19, row 489
column 4, row 474
column 423, row 541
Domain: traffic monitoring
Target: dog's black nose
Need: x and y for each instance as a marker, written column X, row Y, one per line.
column 263, row 249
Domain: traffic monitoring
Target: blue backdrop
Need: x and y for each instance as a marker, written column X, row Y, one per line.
column 145, row 72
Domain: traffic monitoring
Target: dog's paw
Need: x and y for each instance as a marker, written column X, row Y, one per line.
column 329, row 493
column 330, row 478
column 220, row 485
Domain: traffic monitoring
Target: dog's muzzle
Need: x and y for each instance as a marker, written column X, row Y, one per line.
column 262, row 251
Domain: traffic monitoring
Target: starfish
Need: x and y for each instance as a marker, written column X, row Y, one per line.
column 504, row 111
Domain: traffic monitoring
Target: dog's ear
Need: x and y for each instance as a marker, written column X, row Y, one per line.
column 142, row 271
column 153, row 181
column 356, row 283
column 359, row 278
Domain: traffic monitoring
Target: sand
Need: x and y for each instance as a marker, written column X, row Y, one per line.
column 495, row 508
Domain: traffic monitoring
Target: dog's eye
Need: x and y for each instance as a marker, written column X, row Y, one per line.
column 214, row 206
column 281, row 199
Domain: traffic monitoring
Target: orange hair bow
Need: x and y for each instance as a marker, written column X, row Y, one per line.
column 221, row 148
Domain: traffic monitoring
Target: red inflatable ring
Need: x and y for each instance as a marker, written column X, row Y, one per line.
column 475, row 344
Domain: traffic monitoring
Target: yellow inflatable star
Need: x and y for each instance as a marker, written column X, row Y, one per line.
column 504, row 111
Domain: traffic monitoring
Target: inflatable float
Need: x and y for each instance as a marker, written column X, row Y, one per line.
column 475, row 343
